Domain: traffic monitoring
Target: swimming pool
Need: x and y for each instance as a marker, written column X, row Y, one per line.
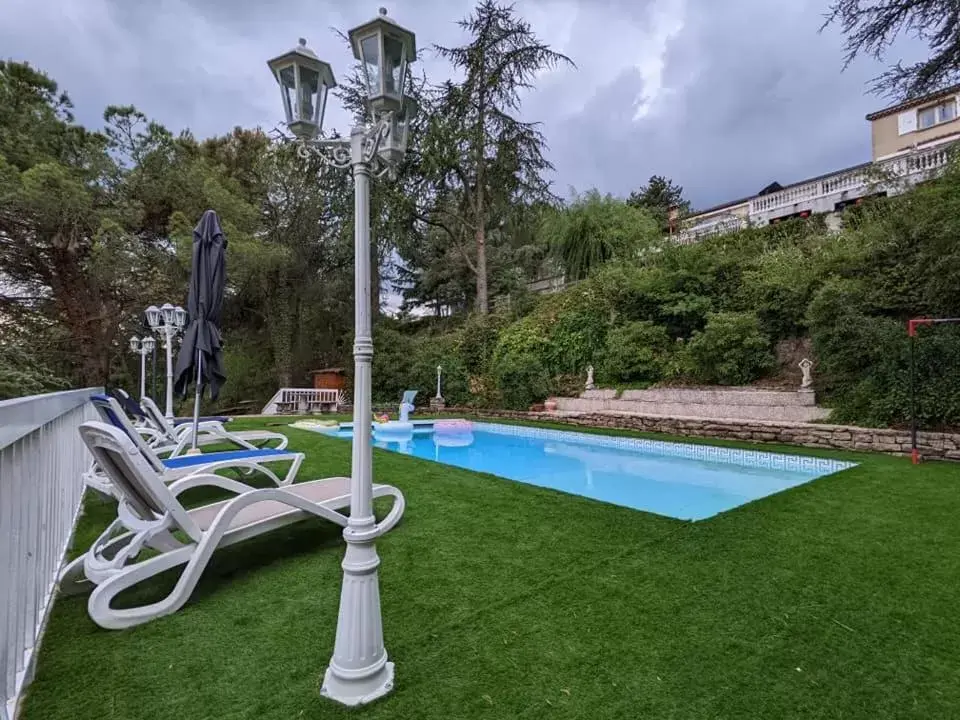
column 679, row 480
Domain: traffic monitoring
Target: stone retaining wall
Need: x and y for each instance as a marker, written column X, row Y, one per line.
column 932, row 445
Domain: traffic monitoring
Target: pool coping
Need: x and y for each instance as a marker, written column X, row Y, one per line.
column 691, row 451
column 664, row 448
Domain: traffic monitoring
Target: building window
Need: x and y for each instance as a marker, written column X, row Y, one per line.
column 936, row 114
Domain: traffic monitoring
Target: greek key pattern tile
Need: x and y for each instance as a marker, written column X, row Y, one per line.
column 709, row 453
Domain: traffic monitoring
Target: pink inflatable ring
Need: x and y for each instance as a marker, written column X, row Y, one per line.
column 450, row 427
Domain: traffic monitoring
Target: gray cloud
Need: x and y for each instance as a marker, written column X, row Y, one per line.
column 732, row 95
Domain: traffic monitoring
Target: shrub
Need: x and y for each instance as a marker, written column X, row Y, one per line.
column 475, row 342
column 636, row 352
column 518, row 369
column 730, row 350
column 429, row 352
column 575, row 325
column 864, row 362
column 392, row 364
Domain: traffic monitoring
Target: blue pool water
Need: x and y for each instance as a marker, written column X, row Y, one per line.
column 689, row 482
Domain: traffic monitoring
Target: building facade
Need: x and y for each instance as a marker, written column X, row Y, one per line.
column 910, row 140
column 910, row 143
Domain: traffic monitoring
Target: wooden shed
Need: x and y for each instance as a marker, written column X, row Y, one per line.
column 329, row 379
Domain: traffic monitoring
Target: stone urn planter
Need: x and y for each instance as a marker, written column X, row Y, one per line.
column 550, row 405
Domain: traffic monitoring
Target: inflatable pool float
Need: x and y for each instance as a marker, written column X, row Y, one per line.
column 453, row 441
column 453, row 433
column 393, row 431
column 452, row 427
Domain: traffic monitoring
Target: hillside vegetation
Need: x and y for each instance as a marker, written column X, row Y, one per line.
column 715, row 312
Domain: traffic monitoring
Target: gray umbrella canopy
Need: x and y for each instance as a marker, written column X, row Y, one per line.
column 201, row 340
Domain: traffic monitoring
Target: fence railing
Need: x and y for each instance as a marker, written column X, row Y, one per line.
column 688, row 236
column 879, row 175
column 41, row 459
column 288, row 401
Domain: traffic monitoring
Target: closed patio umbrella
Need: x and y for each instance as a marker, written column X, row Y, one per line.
column 201, row 357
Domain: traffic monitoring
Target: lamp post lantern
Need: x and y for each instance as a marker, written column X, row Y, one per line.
column 142, row 347
column 167, row 320
column 359, row 670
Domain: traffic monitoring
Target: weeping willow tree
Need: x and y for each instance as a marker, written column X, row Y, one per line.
column 594, row 229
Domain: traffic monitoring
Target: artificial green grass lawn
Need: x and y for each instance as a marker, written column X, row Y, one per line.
column 836, row 599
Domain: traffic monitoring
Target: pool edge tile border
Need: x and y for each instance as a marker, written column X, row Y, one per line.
column 691, row 451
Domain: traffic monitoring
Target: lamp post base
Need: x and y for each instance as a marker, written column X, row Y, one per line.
column 360, row 670
column 358, row 692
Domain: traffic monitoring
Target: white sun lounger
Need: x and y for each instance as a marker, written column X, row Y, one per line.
column 208, row 432
column 173, row 468
column 149, row 512
column 158, row 431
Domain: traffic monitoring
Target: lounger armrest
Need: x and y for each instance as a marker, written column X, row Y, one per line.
column 150, row 434
column 202, row 426
column 209, row 480
column 396, row 512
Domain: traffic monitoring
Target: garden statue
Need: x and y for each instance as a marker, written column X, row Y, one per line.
column 807, row 381
column 590, row 384
column 439, row 370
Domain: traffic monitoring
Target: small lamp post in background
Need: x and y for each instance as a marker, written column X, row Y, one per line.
column 167, row 320
column 142, row 347
column 359, row 670
column 438, row 403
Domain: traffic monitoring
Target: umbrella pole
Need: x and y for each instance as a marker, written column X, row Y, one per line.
column 196, row 403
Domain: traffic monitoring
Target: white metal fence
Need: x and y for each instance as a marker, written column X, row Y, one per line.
column 288, row 401
column 41, row 459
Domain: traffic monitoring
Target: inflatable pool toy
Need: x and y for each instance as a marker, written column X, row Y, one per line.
column 397, row 430
column 452, row 427
column 452, row 433
column 458, row 440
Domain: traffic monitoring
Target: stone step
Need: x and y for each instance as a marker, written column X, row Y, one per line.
column 709, row 404
column 725, row 396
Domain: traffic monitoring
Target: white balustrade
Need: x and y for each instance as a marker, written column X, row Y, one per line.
column 41, row 459
column 696, row 233
column 912, row 167
column 302, row 400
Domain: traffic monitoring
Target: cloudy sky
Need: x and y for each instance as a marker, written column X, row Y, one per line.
column 722, row 96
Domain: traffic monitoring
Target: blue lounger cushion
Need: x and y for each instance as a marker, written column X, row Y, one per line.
column 192, row 460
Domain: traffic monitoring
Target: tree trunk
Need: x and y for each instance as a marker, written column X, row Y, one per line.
column 78, row 300
column 281, row 322
column 483, row 306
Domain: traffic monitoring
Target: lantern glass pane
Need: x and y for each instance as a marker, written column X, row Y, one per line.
column 321, row 105
column 370, row 50
column 307, row 98
column 394, row 65
column 288, row 85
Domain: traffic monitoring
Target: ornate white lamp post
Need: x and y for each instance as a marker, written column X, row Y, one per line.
column 167, row 320
column 359, row 670
column 142, row 347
